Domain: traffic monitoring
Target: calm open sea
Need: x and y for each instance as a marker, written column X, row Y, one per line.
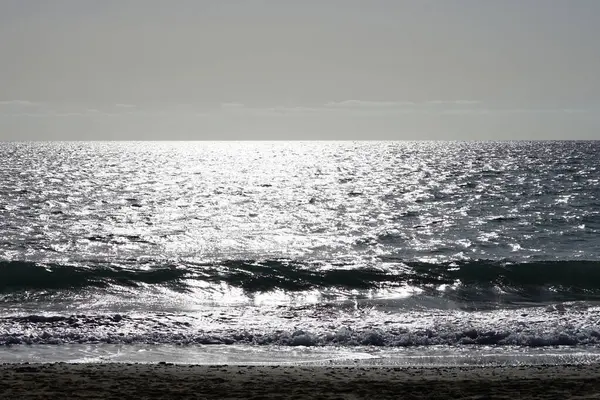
column 395, row 244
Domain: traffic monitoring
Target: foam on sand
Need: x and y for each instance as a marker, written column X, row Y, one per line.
column 427, row 356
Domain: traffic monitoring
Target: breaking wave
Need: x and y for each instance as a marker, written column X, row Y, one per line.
column 162, row 329
column 480, row 280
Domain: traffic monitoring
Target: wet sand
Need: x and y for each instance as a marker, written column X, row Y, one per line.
column 167, row 381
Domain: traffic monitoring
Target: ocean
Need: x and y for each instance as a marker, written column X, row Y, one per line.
column 275, row 250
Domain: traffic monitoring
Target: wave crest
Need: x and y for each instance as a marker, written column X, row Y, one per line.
column 468, row 280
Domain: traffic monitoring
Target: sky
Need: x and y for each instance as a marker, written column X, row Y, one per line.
column 299, row 69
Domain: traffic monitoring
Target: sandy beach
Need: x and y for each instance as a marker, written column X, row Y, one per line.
column 168, row 381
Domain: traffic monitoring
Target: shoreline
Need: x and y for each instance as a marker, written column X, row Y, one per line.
column 125, row 381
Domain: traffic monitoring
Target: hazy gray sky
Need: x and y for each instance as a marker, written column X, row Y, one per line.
column 299, row 69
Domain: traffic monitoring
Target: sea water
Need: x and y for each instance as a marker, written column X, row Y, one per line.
column 317, row 251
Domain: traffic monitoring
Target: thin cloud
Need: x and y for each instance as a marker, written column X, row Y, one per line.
column 340, row 109
column 497, row 111
column 90, row 112
column 453, row 102
column 232, row 105
column 397, row 104
column 367, row 103
column 18, row 102
column 299, row 110
column 23, row 103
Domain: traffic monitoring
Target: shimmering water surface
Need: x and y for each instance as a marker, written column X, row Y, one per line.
column 396, row 244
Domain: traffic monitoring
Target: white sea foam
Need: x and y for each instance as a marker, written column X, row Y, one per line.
column 308, row 356
column 554, row 325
